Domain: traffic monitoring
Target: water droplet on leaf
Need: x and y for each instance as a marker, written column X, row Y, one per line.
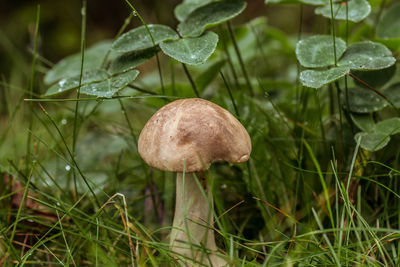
column 62, row 82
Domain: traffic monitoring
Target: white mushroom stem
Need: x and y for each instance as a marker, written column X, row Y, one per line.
column 192, row 233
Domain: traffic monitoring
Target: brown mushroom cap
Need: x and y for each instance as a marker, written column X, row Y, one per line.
column 194, row 132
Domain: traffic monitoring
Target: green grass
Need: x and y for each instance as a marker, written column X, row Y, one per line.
column 74, row 191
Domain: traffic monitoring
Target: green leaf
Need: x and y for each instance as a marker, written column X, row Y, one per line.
column 374, row 78
column 192, row 51
column 205, row 78
column 357, row 10
column 389, row 26
column 393, row 93
column 131, row 60
column 317, row 51
column 110, row 86
column 372, row 141
column 319, row 78
column 309, row 2
column 282, row 2
column 364, row 101
column 367, row 56
column 210, row 15
column 139, row 38
column 96, row 83
column 102, row 145
column 67, row 84
column 182, row 10
column 379, row 136
column 71, row 65
column 318, row 2
column 388, row 127
column 363, row 121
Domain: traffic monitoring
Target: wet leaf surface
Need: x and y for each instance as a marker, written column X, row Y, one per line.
column 139, row 38
column 210, row 15
column 356, row 10
column 319, row 78
column 317, row 51
column 192, row 51
column 367, row 56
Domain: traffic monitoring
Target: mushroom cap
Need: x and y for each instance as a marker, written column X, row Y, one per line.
column 190, row 134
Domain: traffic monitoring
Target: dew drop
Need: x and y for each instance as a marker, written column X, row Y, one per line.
column 67, row 168
column 62, row 82
column 64, row 121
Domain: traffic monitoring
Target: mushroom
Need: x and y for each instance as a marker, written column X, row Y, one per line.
column 186, row 136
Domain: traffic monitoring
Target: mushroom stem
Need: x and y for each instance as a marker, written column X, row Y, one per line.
column 192, row 234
